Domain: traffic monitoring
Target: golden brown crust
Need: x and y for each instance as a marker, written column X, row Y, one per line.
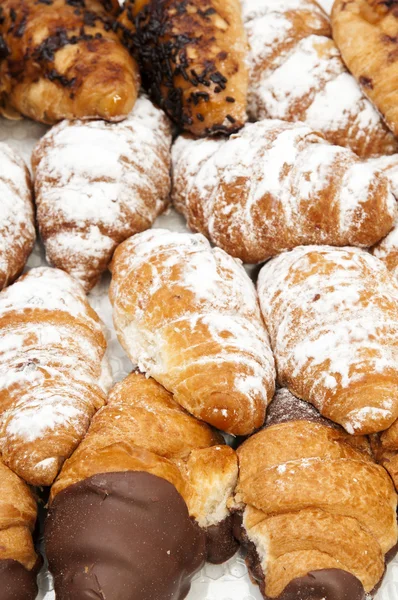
column 62, row 60
column 192, row 54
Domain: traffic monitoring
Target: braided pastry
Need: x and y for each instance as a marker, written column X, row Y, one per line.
column 17, row 228
column 141, row 441
column 188, row 316
column 332, row 315
column 97, row 184
column 52, row 372
column 193, row 59
column 61, row 59
column 297, row 74
column 318, row 515
column 276, row 185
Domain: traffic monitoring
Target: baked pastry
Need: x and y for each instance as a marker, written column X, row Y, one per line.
column 99, row 183
column 193, row 59
column 317, row 515
column 62, row 59
column 365, row 32
column 296, row 73
column 276, row 185
column 17, row 228
column 332, row 315
column 53, row 372
column 18, row 560
column 188, row 315
column 158, row 468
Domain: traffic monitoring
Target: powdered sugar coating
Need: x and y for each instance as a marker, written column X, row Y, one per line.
column 332, row 315
column 213, row 324
column 17, row 230
column 97, row 183
column 297, row 74
column 276, row 185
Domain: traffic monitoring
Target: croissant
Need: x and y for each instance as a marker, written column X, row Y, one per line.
column 18, row 560
column 99, row 183
column 62, row 59
column 53, row 372
column 193, row 59
column 157, row 467
column 332, row 315
column 366, row 33
column 296, row 73
column 276, row 185
column 317, row 515
column 17, row 228
column 188, row 316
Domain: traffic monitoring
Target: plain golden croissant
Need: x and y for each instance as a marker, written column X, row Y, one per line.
column 157, row 468
column 366, row 33
column 99, row 183
column 53, row 372
column 62, row 59
column 188, row 315
column 18, row 560
column 297, row 74
column 317, row 515
column 193, row 59
column 332, row 315
column 276, row 185
column 17, row 228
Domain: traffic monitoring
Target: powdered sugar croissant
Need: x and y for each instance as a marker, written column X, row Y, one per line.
column 276, row 185
column 98, row 183
column 332, row 315
column 53, row 372
column 297, row 74
column 17, row 229
column 188, row 316
column 141, row 440
column 318, row 515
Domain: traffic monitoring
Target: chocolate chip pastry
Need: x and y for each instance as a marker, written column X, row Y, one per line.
column 192, row 55
column 142, row 502
column 315, row 513
column 18, row 561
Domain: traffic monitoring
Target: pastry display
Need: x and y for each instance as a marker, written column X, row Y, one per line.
column 62, row 59
column 332, row 316
column 276, row 185
column 97, row 184
column 297, row 74
column 159, row 469
column 18, row 560
column 17, row 229
column 188, row 315
column 316, row 514
column 192, row 56
column 53, row 372
column 366, row 33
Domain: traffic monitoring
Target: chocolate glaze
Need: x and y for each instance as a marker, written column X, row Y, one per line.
column 16, row 582
column 286, row 407
column 220, row 541
column 325, row 584
column 122, row 536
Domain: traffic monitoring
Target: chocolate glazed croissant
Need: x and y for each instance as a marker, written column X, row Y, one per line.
column 277, row 185
column 297, row 74
column 154, row 482
column 332, row 315
column 317, row 515
column 99, row 183
column 17, row 227
column 193, row 59
column 188, row 315
column 53, row 372
column 61, row 59
column 18, row 561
